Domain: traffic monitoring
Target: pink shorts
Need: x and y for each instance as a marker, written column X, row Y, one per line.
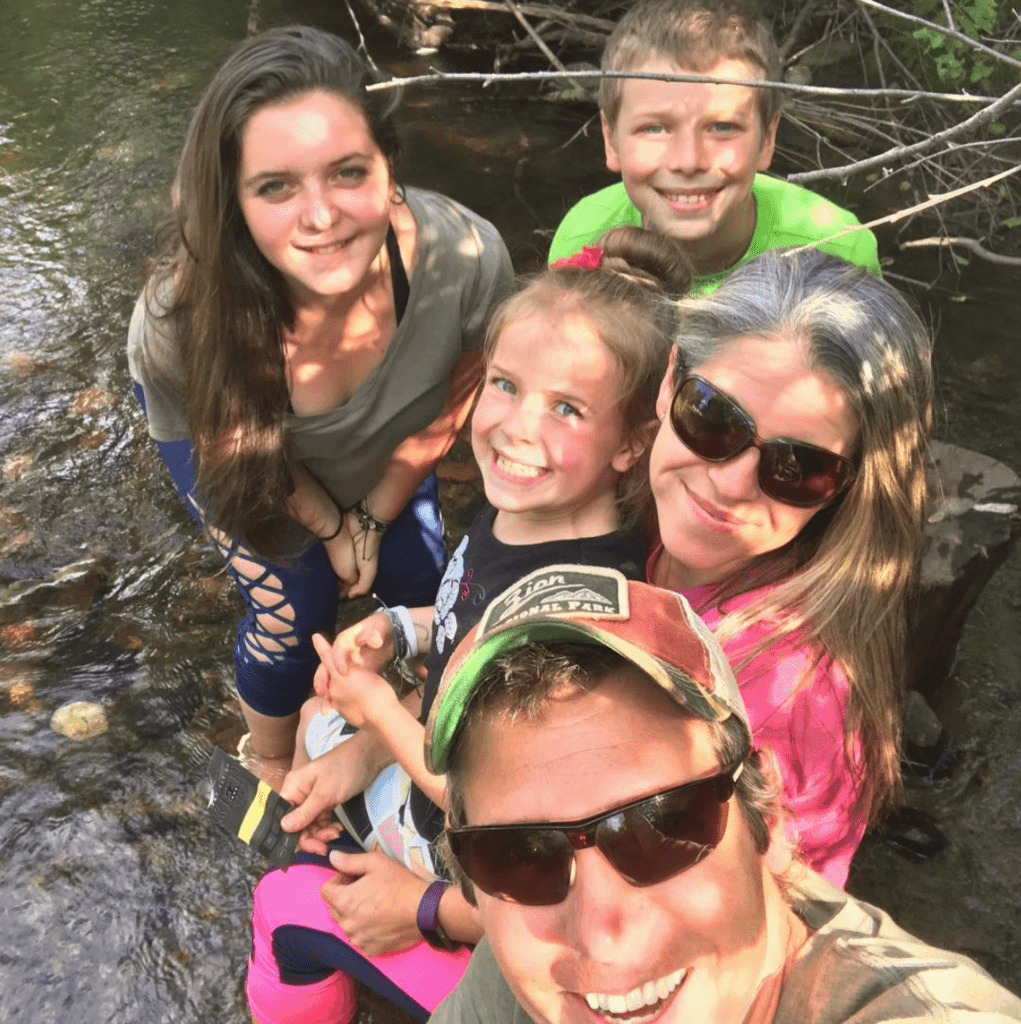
column 289, row 912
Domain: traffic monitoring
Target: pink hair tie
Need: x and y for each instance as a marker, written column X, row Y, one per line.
column 590, row 258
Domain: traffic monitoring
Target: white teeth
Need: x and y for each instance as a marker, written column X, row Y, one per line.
column 648, row 994
column 663, row 987
column 616, row 1004
column 517, row 468
column 324, row 250
column 689, row 200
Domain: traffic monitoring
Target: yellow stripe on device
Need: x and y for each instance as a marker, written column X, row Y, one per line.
column 253, row 816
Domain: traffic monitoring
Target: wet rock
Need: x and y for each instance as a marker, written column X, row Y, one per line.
column 921, row 726
column 93, row 438
column 93, row 400
column 79, row 720
column 18, row 688
column 16, row 466
column 74, row 586
column 973, row 523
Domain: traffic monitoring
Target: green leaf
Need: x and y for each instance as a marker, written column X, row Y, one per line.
column 983, row 13
column 927, row 35
column 1012, row 222
column 981, row 69
column 958, row 297
column 996, row 127
column 874, row 176
column 905, row 185
column 963, row 260
column 886, row 261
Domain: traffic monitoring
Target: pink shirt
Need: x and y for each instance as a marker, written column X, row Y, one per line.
column 796, row 694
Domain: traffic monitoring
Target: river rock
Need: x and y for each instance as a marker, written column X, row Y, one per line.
column 972, row 525
column 79, row 720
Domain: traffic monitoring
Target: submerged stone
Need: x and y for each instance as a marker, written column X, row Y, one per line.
column 79, row 720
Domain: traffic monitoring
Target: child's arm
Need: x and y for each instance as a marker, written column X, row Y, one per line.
column 369, row 702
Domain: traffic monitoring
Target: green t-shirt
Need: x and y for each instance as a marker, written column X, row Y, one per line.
column 785, row 215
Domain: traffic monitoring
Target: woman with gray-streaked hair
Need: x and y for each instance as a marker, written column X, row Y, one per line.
column 789, row 479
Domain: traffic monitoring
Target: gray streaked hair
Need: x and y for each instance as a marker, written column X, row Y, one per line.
column 847, row 576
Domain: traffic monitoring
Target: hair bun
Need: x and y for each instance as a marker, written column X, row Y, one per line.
column 647, row 258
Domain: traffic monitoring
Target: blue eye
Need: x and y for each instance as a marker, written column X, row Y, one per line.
column 565, row 409
column 272, row 189
column 352, row 173
column 502, row 384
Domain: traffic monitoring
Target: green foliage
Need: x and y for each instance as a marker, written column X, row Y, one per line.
column 943, row 62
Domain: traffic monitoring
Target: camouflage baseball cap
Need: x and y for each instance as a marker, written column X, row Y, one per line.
column 654, row 629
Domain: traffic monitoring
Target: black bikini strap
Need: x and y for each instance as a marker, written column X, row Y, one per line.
column 398, row 275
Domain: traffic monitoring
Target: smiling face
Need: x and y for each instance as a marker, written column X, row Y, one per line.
column 315, row 191
column 548, row 432
column 693, row 947
column 688, row 155
column 713, row 517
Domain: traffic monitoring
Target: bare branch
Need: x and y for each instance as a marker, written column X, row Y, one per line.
column 932, row 201
column 953, row 33
column 985, row 115
column 965, row 243
column 486, row 78
column 362, row 48
column 538, row 40
column 559, row 14
column 806, row 9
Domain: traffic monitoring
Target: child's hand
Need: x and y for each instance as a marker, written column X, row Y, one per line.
column 355, row 693
column 368, row 644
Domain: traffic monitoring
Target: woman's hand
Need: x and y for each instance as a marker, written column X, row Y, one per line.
column 375, row 900
column 332, row 778
column 340, row 550
column 365, row 546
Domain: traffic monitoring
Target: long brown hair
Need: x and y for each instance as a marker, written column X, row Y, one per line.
column 631, row 302
column 846, row 578
column 227, row 305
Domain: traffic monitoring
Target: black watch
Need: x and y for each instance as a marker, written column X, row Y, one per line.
column 428, row 918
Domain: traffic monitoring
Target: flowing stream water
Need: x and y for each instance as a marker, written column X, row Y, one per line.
column 119, row 902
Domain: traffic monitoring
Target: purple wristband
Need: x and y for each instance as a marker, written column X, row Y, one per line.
column 428, row 920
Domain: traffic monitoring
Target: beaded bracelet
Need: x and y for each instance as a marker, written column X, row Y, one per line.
column 366, row 520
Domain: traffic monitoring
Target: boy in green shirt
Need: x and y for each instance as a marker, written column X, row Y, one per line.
column 690, row 154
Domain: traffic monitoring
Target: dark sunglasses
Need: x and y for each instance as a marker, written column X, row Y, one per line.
column 647, row 841
column 717, row 429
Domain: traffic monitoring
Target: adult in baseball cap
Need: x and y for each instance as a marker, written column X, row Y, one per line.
column 623, row 841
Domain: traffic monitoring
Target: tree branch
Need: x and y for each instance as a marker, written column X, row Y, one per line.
column 533, row 11
column 936, row 200
column 486, row 78
column 538, row 40
column 985, row 115
column 966, row 243
column 953, row 33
